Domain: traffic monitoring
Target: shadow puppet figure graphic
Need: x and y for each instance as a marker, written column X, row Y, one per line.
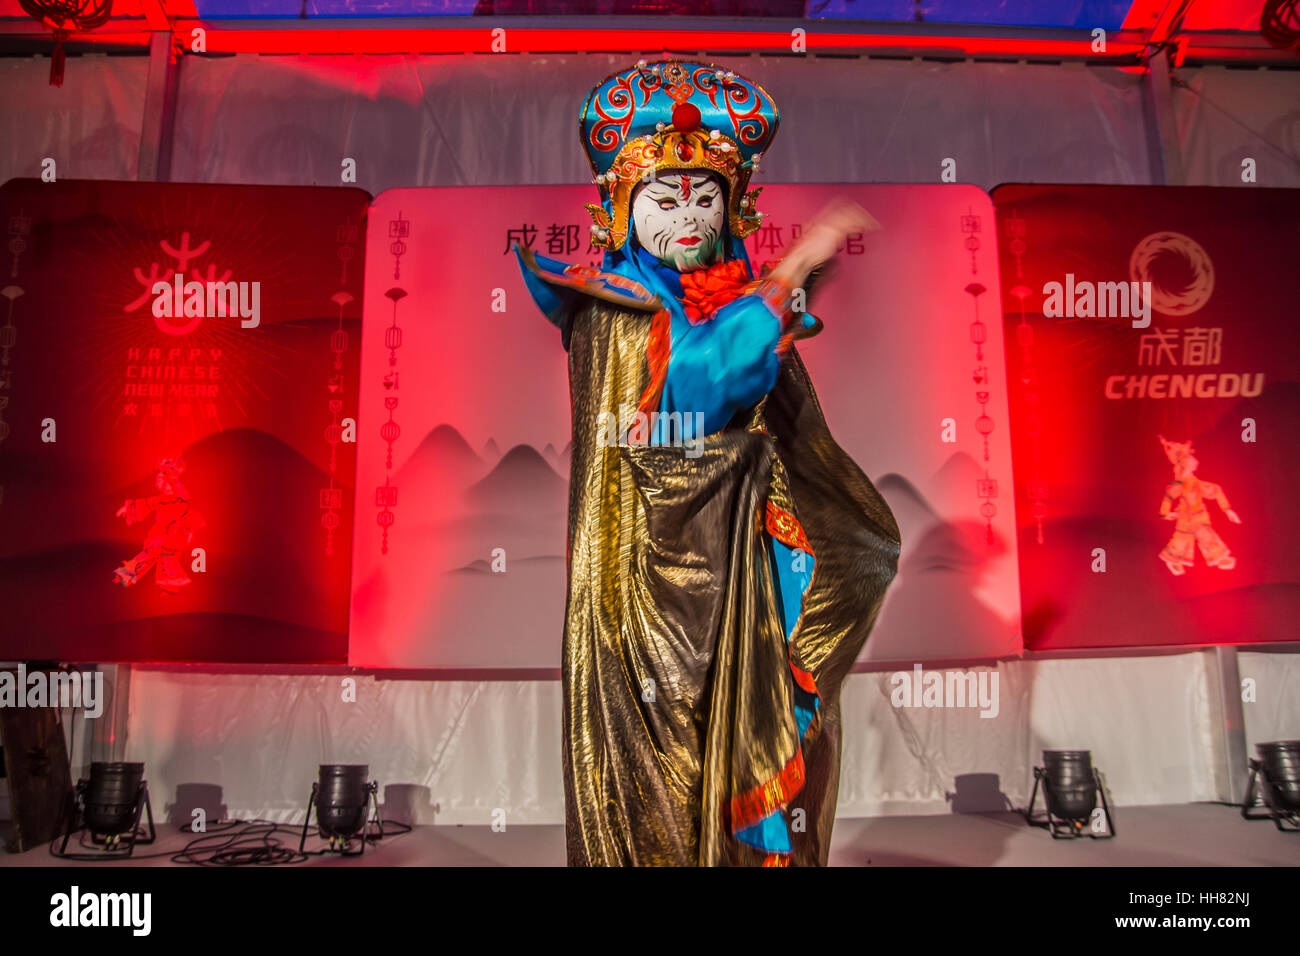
column 175, row 521
column 1186, row 502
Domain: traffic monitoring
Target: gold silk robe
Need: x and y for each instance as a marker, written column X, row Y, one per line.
column 678, row 686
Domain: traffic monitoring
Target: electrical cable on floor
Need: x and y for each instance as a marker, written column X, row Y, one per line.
column 240, row 843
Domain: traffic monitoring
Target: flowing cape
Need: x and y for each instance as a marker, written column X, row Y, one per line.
column 678, row 679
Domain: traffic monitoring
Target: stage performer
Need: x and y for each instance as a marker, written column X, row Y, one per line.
column 726, row 558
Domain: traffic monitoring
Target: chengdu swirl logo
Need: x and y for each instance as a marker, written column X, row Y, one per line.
column 1179, row 270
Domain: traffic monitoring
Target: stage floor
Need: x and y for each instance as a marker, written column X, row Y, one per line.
column 1190, row 835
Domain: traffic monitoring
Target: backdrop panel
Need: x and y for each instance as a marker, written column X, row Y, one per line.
column 1124, row 538
column 460, row 550
column 99, row 385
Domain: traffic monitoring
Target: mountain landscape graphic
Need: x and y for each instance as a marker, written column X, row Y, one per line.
column 522, row 475
column 456, row 510
column 445, row 480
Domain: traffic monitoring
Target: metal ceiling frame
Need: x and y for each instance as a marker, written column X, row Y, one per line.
column 450, row 35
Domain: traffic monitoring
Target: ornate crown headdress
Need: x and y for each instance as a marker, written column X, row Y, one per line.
column 171, row 468
column 1175, row 451
column 675, row 116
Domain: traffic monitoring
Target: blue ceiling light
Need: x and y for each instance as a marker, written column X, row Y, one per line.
column 1076, row 14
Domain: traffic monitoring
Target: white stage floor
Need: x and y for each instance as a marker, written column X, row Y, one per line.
column 1190, row 835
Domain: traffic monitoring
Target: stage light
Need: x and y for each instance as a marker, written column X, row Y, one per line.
column 109, row 806
column 343, row 797
column 1279, row 762
column 1071, row 786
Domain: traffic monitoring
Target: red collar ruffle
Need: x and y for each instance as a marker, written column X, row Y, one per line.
column 704, row 291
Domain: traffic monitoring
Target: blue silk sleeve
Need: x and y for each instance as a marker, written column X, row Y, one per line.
column 556, row 303
column 723, row 365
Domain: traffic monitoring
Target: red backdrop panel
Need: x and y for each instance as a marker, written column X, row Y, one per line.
column 255, row 413
column 1090, row 397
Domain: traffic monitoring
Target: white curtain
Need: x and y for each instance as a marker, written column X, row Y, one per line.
column 455, row 751
column 90, row 126
column 485, row 120
column 1227, row 116
column 1271, row 696
column 444, row 751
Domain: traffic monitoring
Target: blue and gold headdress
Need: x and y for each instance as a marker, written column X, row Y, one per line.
column 673, row 116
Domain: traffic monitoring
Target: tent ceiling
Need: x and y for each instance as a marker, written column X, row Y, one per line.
column 1225, row 31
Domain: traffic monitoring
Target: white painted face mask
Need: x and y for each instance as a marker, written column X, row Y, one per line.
column 679, row 218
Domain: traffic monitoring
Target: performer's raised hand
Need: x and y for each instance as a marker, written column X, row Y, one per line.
column 838, row 220
column 1232, row 516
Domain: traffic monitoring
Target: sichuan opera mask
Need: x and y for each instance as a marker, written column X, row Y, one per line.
column 680, row 219
column 726, row 558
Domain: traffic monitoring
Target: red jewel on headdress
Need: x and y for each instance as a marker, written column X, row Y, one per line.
column 686, row 118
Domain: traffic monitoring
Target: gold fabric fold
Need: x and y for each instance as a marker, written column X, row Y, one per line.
column 678, row 692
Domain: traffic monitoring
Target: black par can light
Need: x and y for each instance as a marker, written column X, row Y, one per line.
column 108, row 805
column 1278, row 763
column 1071, row 788
column 343, row 797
